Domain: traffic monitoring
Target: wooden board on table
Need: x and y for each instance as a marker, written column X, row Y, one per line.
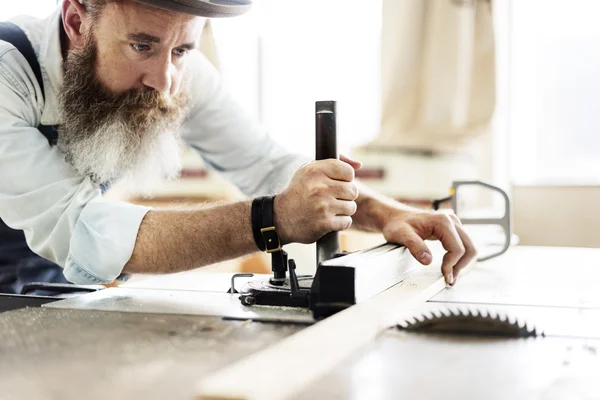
column 302, row 358
column 524, row 276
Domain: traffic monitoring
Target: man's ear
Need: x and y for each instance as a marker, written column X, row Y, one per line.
column 76, row 22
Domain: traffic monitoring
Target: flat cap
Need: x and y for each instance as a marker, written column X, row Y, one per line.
column 204, row 8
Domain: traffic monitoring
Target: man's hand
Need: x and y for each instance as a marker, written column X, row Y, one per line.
column 322, row 197
column 319, row 199
column 411, row 228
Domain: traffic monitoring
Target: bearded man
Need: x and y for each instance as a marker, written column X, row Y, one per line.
column 105, row 92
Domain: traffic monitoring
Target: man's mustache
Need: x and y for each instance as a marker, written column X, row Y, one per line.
column 142, row 100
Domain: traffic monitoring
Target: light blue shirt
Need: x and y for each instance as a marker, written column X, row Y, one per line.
column 64, row 216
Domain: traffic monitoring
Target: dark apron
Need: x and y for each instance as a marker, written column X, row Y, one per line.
column 18, row 264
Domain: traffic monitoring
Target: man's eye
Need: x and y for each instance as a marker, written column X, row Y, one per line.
column 180, row 52
column 140, row 47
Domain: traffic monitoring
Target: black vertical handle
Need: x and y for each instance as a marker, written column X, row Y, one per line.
column 326, row 147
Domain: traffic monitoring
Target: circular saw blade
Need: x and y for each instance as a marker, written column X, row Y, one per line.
column 470, row 321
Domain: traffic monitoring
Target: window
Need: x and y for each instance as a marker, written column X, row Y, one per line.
column 283, row 56
column 554, row 91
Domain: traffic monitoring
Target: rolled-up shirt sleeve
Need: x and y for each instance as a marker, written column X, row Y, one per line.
column 63, row 215
column 103, row 241
column 229, row 141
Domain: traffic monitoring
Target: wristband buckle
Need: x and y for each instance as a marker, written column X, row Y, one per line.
column 272, row 243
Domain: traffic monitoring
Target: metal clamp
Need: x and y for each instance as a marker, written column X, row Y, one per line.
column 233, row 278
column 504, row 222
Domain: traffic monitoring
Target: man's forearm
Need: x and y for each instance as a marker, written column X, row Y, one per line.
column 178, row 240
column 374, row 210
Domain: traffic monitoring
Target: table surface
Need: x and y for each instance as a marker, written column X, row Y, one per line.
column 50, row 353
column 66, row 353
column 558, row 289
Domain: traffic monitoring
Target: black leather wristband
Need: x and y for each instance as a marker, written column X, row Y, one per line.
column 269, row 234
column 256, row 215
column 263, row 224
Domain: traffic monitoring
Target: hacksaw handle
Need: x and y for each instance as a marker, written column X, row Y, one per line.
column 326, row 147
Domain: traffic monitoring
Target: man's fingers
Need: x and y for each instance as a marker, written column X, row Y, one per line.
column 415, row 245
column 341, row 223
column 343, row 190
column 460, row 250
column 338, row 170
column 446, row 232
column 447, row 263
column 344, row 207
column 454, row 217
column 470, row 252
column 353, row 163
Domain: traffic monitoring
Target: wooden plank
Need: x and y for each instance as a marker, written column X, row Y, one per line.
column 287, row 367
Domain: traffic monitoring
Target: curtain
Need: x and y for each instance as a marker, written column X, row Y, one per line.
column 438, row 73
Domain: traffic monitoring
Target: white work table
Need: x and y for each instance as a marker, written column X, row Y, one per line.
column 158, row 337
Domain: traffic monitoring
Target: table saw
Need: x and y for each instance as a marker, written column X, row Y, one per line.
column 161, row 337
column 370, row 324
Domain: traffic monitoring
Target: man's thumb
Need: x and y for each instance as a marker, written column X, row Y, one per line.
column 353, row 163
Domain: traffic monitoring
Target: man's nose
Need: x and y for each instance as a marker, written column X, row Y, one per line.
column 158, row 76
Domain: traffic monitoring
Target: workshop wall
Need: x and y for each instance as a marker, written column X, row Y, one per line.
column 557, row 215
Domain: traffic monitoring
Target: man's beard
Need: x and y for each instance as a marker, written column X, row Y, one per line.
column 131, row 136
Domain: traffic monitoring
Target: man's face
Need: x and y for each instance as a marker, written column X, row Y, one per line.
column 123, row 99
column 141, row 47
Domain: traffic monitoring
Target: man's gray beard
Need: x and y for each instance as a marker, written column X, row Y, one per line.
column 114, row 153
column 131, row 137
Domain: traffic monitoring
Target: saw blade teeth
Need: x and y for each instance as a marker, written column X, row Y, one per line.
column 473, row 319
column 530, row 332
column 532, row 328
